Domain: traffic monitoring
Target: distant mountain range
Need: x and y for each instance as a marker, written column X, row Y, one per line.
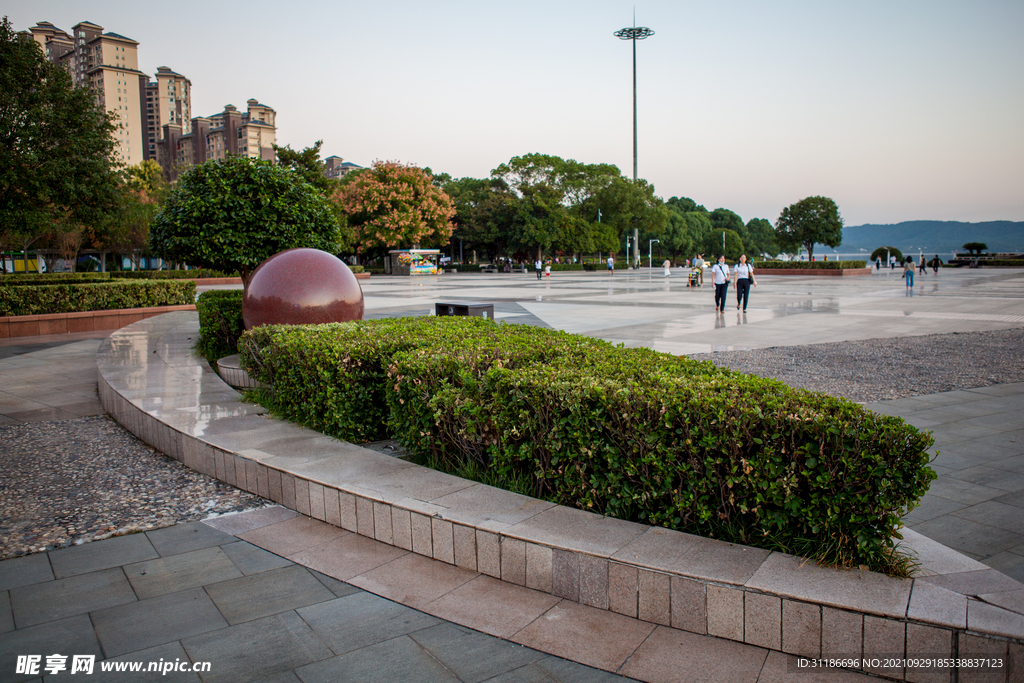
column 933, row 236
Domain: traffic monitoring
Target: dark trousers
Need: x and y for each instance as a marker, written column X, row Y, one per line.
column 742, row 291
column 538, row 273
column 720, row 291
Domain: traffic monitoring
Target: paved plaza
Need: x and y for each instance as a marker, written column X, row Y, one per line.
column 245, row 593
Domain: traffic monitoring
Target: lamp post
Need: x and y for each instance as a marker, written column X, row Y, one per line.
column 628, row 238
column 650, row 244
column 634, row 33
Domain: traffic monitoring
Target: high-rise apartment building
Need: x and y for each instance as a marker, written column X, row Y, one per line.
column 168, row 101
column 252, row 134
column 336, row 167
column 108, row 64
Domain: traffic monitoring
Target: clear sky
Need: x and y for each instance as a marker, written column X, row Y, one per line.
column 896, row 110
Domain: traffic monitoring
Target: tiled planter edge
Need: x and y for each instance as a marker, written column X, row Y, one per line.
column 922, row 621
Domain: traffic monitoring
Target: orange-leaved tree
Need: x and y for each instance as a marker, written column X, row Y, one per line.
column 395, row 205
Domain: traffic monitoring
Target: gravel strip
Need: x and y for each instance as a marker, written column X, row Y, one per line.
column 72, row 481
column 878, row 369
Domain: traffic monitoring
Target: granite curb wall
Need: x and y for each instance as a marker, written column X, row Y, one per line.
column 82, row 321
column 152, row 383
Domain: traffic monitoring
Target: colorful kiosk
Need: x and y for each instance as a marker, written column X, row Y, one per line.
column 412, row 262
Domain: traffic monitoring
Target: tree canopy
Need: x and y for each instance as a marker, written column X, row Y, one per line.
column 814, row 220
column 307, row 165
column 975, row 247
column 234, row 213
column 56, row 146
column 396, row 205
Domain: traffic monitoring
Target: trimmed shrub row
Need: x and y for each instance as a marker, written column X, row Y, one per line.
column 817, row 265
column 53, row 278
column 630, row 433
column 100, row 296
column 220, row 322
column 195, row 274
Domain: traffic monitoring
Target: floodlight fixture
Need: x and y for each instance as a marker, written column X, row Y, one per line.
column 634, row 33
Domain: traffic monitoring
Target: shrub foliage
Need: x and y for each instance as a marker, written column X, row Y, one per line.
column 99, row 296
column 809, row 265
column 630, row 433
column 220, row 322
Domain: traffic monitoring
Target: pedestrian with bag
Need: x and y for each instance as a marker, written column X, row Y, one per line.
column 720, row 273
column 743, row 278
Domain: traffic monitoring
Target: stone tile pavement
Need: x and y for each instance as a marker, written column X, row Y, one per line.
column 217, row 592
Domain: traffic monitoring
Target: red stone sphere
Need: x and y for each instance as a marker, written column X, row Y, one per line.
column 301, row 287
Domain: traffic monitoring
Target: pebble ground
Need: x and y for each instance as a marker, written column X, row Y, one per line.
column 877, row 369
column 71, row 481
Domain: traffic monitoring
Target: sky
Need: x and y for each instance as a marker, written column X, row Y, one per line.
column 909, row 110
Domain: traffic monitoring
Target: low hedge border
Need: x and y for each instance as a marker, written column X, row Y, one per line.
column 100, row 296
column 196, row 274
column 630, row 433
column 809, row 265
column 220, row 322
column 53, row 279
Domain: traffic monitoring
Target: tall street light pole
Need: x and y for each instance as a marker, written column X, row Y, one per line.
column 634, row 33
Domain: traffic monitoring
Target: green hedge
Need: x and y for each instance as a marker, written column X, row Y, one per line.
column 807, row 265
column 630, row 433
column 101, row 296
column 54, row 279
column 195, row 274
column 220, row 322
column 568, row 266
column 1012, row 263
column 620, row 264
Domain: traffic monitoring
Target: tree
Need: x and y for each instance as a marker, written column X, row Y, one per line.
column 148, row 177
column 396, row 205
column 814, row 220
column 627, row 204
column 56, row 146
column 712, row 245
column 485, row 211
column 233, row 214
column 761, row 237
column 975, row 247
column 308, row 165
column 687, row 232
column 885, row 252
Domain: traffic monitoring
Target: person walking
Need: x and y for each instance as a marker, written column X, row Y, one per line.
column 922, row 267
column 908, row 272
column 743, row 278
column 698, row 263
column 720, row 273
column 667, row 265
column 935, row 264
column 892, row 261
column 537, row 265
column 611, row 264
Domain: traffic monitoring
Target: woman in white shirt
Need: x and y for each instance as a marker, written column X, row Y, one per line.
column 720, row 272
column 743, row 277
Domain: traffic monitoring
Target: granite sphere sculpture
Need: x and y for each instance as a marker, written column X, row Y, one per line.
column 301, row 287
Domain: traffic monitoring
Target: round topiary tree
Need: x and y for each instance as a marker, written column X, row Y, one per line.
column 885, row 252
column 233, row 214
